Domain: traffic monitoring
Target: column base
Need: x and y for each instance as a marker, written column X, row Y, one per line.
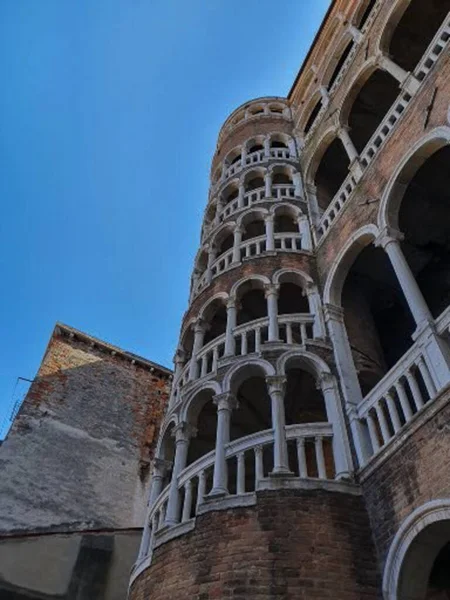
column 217, row 493
column 281, row 472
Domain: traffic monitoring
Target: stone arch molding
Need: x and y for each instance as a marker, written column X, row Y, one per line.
column 244, row 364
column 394, row 191
column 313, row 363
column 336, row 277
column 427, row 514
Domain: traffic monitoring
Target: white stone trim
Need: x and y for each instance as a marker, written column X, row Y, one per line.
column 417, row 521
column 244, row 362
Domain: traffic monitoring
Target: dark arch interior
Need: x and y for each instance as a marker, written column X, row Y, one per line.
column 365, row 15
column 424, row 219
column 206, row 424
column 255, row 148
column 285, row 224
column 374, row 99
column 254, row 413
column 235, row 159
column 312, row 117
column 225, row 244
column 378, row 321
column 254, row 183
column 439, row 581
column 281, row 178
column 340, row 63
column 277, row 144
column 254, row 229
column 331, row 173
column 291, row 299
column 252, row 306
column 231, row 195
column 217, row 324
column 303, row 402
column 415, row 30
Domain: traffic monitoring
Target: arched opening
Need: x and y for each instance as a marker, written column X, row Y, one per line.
column 304, row 403
column 340, row 63
column 364, row 13
column 280, row 177
column 230, row 193
column 203, row 416
column 331, row 173
column 278, row 142
column 378, row 321
column 224, row 241
column 251, row 302
column 255, row 145
column 167, row 453
column 313, row 116
column 425, row 572
column 291, row 299
column 424, row 219
column 215, row 317
column 373, row 101
column 252, row 415
column 285, row 220
column 187, row 342
column 277, row 110
column 253, row 182
column 253, row 228
column 411, row 34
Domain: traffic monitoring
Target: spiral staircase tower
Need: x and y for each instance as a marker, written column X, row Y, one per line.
column 252, row 478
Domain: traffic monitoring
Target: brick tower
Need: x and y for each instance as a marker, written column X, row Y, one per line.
column 305, row 450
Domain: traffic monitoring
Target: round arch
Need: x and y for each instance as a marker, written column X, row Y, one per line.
column 311, row 363
column 402, row 553
column 222, row 296
column 257, row 212
column 245, row 368
column 301, row 275
column 389, row 24
column 346, row 39
column 358, row 81
column 286, row 207
column 192, row 403
column 314, row 99
column 336, row 277
column 222, row 232
column 261, row 278
column 313, row 164
column 171, row 422
column 393, row 193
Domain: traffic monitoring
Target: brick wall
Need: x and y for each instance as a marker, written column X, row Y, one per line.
column 293, row 544
column 414, row 474
column 78, row 453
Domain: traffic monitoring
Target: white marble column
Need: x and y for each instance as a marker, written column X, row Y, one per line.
column 275, row 387
column 231, row 324
column 179, row 361
column 348, row 377
column 266, row 145
column 243, row 156
column 237, row 240
column 315, row 307
column 325, row 95
column 297, row 180
column 389, row 240
column 355, row 33
column 241, row 194
column 348, row 144
column 225, row 404
column 270, row 240
column 182, row 433
column 268, row 184
column 160, row 468
column 292, row 148
column 305, row 232
column 406, row 79
column 314, row 210
column 271, row 293
column 199, row 336
column 335, row 416
column 212, row 254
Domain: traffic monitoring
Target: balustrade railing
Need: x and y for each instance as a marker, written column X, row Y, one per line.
column 280, row 191
column 254, row 158
column 247, row 339
column 253, row 247
column 385, row 128
column 392, row 403
column 249, row 461
column 288, row 241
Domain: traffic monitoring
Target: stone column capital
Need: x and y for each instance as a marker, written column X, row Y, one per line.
column 387, row 236
column 200, row 326
column 271, row 289
column 226, row 401
column 180, row 356
column 276, row 384
column 183, row 432
column 325, row 382
column 160, row 467
column 333, row 313
column 269, row 217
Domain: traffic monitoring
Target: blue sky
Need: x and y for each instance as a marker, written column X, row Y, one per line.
column 109, row 113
